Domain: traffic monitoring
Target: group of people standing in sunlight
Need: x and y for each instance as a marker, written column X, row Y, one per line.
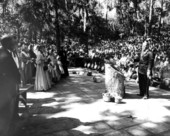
column 45, row 64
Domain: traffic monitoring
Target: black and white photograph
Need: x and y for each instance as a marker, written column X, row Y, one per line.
column 84, row 67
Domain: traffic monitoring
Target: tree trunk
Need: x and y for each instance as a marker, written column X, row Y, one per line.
column 84, row 20
column 106, row 11
column 150, row 17
column 58, row 32
column 85, row 28
column 66, row 4
column 160, row 17
column 4, row 6
column 145, row 26
column 30, row 34
column 35, row 36
column 106, row 15
column 40, row 35
column 18, row 32
column 57, row 27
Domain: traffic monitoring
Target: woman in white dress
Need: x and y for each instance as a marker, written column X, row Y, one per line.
column 114, row 79
column 41, row 82
column 46, row 70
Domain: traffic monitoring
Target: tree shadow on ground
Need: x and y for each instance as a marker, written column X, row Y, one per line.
column 64, row 93
column 155, row 93
column 83, row 91
column 160, row 97
column 66, row 126
column 151, row 96
column 63, row 126
column 167, row 118
column 131, row 96
column 127, row 120
column 43, row 106
column 58, row 102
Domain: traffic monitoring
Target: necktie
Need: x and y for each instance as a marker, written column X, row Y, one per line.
column 15, row 57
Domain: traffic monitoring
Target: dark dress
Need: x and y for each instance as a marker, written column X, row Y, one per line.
column 33, row 64
column 63, row 56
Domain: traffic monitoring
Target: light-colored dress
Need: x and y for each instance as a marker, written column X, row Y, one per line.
column 114, row 82
column 165, row 77
column 41, row 82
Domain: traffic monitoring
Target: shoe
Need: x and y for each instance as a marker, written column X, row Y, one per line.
column 145, row 97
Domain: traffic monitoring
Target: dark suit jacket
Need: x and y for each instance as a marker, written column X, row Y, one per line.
column 145, row 63
column 9, row 78
column 8, row 68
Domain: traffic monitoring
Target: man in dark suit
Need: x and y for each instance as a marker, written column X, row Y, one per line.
column 145, row 69
column 9, row 81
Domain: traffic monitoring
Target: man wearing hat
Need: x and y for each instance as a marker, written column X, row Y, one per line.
column 9, row 81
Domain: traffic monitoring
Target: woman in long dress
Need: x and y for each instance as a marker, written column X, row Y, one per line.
column 41, row 82
column 114, row 79
column 33, row 58
column 46, row 70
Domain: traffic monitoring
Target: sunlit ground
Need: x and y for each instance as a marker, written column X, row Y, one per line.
column 79, row 98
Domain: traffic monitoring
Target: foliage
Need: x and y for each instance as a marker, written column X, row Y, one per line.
column 41, row 20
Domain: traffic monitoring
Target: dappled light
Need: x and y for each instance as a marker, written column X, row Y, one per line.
column 41, row 95
column 78, row 109
column 85, row 68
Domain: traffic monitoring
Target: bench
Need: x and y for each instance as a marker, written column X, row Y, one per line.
column 23, row 94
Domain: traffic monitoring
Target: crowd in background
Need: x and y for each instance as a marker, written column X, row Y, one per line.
column 124, row 53
column 42, row 65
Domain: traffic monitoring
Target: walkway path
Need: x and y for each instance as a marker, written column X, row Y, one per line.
column 74, row 107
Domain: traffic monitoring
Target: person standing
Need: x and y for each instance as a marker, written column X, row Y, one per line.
column 41, row 80
column 63, row 57
column 9, row 82
column 145, row 69
column 33, row 59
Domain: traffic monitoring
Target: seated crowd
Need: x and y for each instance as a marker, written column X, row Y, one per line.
column 44, row 65
column 125, row 53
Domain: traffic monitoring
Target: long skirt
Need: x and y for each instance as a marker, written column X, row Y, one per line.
column 41, row 79
column 114, row 82
column 28, row 73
